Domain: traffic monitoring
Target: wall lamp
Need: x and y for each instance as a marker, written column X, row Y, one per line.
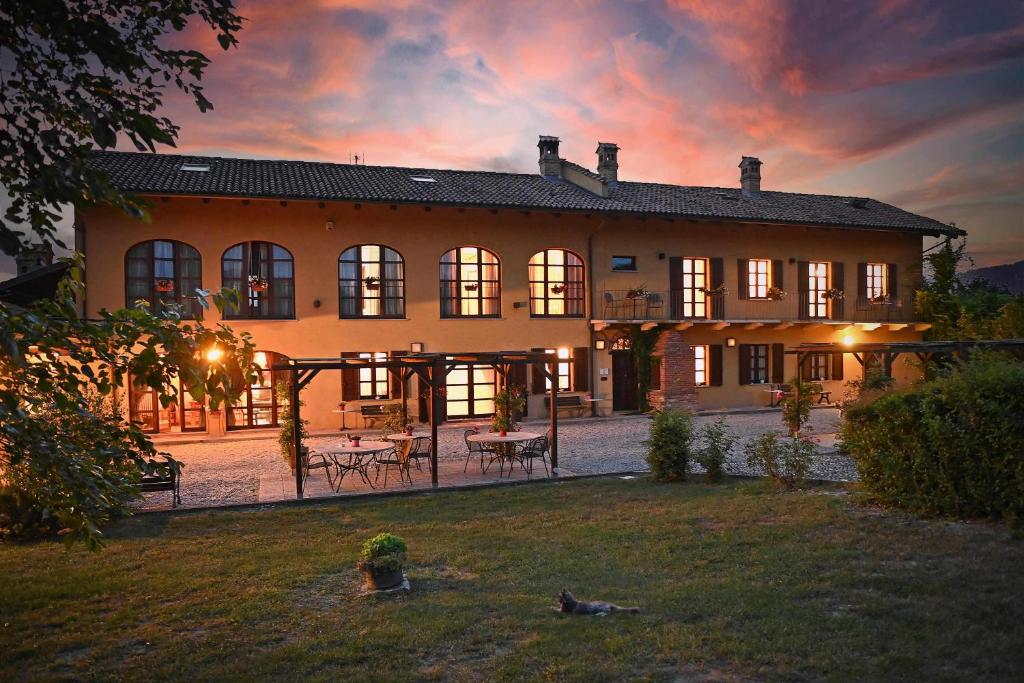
column 600, row 344
column 416, row 347
column 730, row 342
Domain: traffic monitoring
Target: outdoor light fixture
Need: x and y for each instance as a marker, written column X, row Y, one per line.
column 416, row 347
column 730, row 342
column 329, row 225
column 599, row 344
column 214, row 354
column 848, row 340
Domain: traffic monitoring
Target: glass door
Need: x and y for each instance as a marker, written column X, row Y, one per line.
column 470, row 391
column 258, row 405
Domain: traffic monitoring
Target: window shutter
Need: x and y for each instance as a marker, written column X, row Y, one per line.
column 717, row 280
column 837, row 283
column 350, row 379
column 715, row 361
column 862, row 281
column 837, row 365
column 803, row 273
column 517, row 380
column 741, row 267
column 395, row 378
column 675, row 285
column 744, row 363
column 580, row 369
column 778, row 363
column 777, row 279
column 655, row 383
column 894, row 288
column 806, row 367
column 538, row 377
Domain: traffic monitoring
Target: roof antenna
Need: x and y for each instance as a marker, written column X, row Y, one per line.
column 356, row 159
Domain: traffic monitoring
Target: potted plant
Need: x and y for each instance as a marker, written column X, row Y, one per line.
column 882, row 299
column 471, row 286
column 640, row 292
column 715, row 291
column 557, row 289
column 507, row 403
column 381, row 561
column 372, row 283
column 835, row 294
column 165, row 286
column 776, row 293
column 258, row 283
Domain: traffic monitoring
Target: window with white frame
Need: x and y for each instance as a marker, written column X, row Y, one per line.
column 564, row 370
column 695, row 283
column 817, row 289
column 876, row 281
column 700, row 365
column 759, row 272
column 373, row 382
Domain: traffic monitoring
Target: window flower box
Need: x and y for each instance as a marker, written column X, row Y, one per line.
column 835, row 294
column 557, row 289
column 776, row 294
column 372, row 283
column 258, row 283
column 164, row 286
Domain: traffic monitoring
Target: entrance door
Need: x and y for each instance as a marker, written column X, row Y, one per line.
column 186, row 415
column 623, row 381
column 470, row 391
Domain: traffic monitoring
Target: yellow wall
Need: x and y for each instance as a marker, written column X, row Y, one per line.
column 422, row 236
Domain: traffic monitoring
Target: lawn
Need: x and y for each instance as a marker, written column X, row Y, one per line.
column 735, row 582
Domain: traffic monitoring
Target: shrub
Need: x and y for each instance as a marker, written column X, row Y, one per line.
column 786, row 459
column 796, row 407
column 394, row 422
column 952, row 445
column 717, row 441
column 384, row 552
column 670, row 445
column 286, row 437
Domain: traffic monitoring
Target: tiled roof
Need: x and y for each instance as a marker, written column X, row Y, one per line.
column 161, row 174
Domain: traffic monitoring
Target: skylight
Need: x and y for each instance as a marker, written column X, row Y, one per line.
column 422, row 179
column 195, row 168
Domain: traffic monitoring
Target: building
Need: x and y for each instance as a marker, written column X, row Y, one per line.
column 343, row 260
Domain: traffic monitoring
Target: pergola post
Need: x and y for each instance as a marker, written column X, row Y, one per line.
column 405, row 383
column 296, row 431
column 553, row 374
column 436, row 368
column 796, row 390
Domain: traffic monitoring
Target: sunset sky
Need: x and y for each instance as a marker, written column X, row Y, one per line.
column 913, row 102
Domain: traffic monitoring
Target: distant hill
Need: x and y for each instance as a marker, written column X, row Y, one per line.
column 1009, row 275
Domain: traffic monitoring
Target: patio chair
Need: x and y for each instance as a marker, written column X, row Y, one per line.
column 394, row 457
column 612, row 305
column 312, row 460
column 420, row 450
column 530, row 451
column 476, row 449
column 655, row 306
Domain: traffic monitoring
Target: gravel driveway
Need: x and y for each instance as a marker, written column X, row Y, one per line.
column 227, row 471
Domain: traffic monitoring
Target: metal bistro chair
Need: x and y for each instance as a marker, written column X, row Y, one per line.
column 530, row 451
column 420, row 450
column 475, row 448
column 324, row 464
column 612, row 305
column 394, row 457
column 655, row 306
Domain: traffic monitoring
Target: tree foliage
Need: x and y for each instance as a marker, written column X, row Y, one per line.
column 62, row 445
column 76, row 75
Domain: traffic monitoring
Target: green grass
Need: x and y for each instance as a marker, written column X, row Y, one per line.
column 735, row 582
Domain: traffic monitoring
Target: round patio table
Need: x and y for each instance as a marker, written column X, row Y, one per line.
column 356, row 455
column 402, row 436
column 496, row 437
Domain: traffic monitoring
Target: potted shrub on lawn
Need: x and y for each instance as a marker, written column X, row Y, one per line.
column 381, row 561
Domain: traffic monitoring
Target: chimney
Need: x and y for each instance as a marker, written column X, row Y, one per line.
column 550, row 162
column 750, row 176
column 608, row 161
column 34, row 257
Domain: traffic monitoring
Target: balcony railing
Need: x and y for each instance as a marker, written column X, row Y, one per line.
column 623, row 304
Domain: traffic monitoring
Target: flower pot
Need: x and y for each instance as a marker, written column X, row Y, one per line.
column 164, row 286
column 380, row 579
column 408, row 431
column 503, row 432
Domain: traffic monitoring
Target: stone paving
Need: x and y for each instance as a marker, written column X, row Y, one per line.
column 229, row 471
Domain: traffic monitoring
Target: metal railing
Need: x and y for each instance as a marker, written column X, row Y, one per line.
column 646, row 305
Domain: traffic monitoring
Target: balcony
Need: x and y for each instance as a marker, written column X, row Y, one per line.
column 661, row 306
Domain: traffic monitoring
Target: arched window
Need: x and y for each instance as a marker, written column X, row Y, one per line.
column 163, row 272
column 556, row 284
column 263, row 273
column 371, row 282
column 470, row 284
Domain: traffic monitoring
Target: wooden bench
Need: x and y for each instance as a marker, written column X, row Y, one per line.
column 163, row 481
column 573, row 402
column 372, row 412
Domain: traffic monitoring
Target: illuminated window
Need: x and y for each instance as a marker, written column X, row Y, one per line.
column 373, row 382
column 564, row 370
column 371, row 280
column 556, row 284
column 470, row 284
column 695, row 282
column 817, row 289
column 258, row 404
column 758, row 276
column 700, row 365
column 876, row 281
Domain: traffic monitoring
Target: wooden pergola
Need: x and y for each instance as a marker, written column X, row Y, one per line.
column 431, row 368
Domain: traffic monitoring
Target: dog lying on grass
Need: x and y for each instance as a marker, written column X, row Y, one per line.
column 570, row 605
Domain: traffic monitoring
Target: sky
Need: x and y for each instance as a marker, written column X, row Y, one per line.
column 914, row 102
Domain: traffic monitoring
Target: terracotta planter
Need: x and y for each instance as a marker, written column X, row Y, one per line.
column 503, row 432
column 381, row 579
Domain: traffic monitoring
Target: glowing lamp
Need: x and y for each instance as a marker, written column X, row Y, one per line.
column 848, row 340
column 214, row 354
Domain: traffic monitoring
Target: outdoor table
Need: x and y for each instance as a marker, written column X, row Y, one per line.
column 356, row 456
column 343, row 413
column 495, row 438
column 775, row 397
column 402, row 436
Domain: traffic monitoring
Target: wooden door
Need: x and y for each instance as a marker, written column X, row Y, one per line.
column 623, row 381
